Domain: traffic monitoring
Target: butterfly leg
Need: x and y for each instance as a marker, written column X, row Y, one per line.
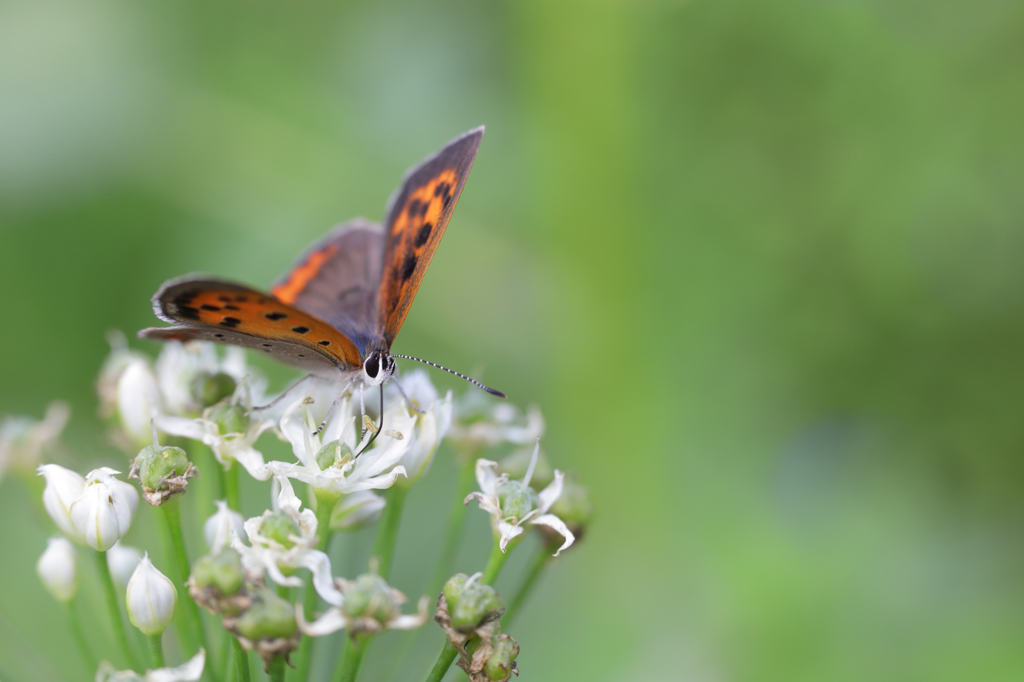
column 404, row 395
column 330, row 410
column 281, row 397
column 362, row 414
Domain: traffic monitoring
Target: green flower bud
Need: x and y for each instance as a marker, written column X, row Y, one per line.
column 269, row 616
column 155, row 462
column 222, row 570
column 452, row 589
column 369, row 596
column 334, row 454
column 517, row 500
column 476, row 604
column 209, row 389
column 228, row 416
column 502, row 663
column 279, row 526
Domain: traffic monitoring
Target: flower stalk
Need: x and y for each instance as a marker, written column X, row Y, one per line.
column 241, row 661
column 156, row 650
column 324, row 507
column 537, row 565
column 110, row 595
column 76, row 631
column 387, row 531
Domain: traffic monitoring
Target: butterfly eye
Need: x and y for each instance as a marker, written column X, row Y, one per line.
column 372, row 365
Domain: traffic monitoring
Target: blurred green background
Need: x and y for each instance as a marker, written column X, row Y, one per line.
column 759, row 263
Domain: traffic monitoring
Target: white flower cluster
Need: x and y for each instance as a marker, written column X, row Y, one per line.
column 192, row 392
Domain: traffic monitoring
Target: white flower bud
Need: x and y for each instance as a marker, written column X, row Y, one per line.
column 150, row 598
column 138, row 401
column 103, row 513
column 217, row 529
column 63, row 487
column 122, row 561
column 58, row 569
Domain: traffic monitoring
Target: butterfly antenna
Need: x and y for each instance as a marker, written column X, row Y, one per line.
column 379, row 428
column 452, row 371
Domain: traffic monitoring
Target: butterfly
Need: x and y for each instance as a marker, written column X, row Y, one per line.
column 339, row 309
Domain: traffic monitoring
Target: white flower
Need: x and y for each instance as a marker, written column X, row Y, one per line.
column 431, row 423
column 283, row 541
column 103, row 513
column 63, row 487
column 218, row 528
column 375, row 468
column 150, row 598
column 138, row 401
column 370, row 606
column 23, row 440
column 122, row 561
column 357, row 510
column 58, row 569
column 514, row 504
column 481, row 422
column 190, row 671
column 229, row 429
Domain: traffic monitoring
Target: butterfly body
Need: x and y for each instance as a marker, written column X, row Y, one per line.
column 339, row 309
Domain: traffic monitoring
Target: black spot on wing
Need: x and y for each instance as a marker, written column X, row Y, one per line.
column 325, row 342
column 423, row 235
column 275, row 316
column 230, row 322
column 231, row 307
column 188, row 312
column 408, row 266
column 414, row 208
column 300, row 330
column 207, row 306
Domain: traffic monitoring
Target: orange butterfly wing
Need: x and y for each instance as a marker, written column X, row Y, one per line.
column 231, row 313
column 416, row 219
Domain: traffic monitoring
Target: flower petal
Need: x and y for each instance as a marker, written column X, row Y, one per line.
column 549, row 495
column 508, row 532
column 486, row 476
column 555, row 523
column 319, row 564
column 332, row 621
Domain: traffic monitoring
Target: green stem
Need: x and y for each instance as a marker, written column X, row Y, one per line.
column 448, row 653
column 387, row 530
column 76, row 631
column 444, row 661
column 456, row 521
column 537, row 565
column 351, row 660
column 277, row 669
column 112, row 606
column 156, row 650
column 241, row 661
column 191, row 631
column 230, row 487
column 324, row 507
column 494, row 564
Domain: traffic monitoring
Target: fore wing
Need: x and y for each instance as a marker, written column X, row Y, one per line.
column 225, row 312
column 416, row 218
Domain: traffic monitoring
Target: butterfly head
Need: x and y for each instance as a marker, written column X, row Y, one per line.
column 378, row 366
